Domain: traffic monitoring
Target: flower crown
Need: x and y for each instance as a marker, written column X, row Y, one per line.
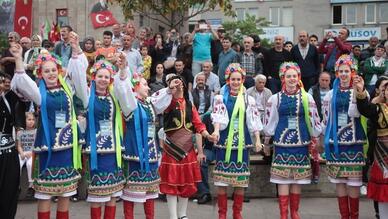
column 286, row 66
column 45, row 56
column 135, row 79
column 345, row 60
column 234, row 67
column 103, row 64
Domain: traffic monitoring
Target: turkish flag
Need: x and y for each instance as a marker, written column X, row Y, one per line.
column 55, row 34
column 102, row 18
column 22, row 22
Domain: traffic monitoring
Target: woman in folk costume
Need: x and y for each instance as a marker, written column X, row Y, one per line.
column 103, row 137
column 378, row 115
column 141, row 149
column 235, row 116
column 344, row 138
column 179, row 170
column 58, row 155
column 292, row 120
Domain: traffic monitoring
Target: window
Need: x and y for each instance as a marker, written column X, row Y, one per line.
column 351, row 14
column 384, row 13
column 287, row 17
column 253, row 12
column 337, row 14
column 240, row 12
column 141, row 20
column 274, row 14
column 370, row 13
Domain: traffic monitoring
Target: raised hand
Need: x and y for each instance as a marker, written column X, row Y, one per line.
column 121, row 61
column 358, row 83
column 16, row 50
column 74, row 41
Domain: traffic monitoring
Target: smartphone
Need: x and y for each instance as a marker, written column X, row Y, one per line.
column 203, row 26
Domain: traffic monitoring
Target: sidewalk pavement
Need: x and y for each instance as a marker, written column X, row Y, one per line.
column 266, row 208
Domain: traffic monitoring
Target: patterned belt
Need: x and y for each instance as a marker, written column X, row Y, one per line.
column 6, row 143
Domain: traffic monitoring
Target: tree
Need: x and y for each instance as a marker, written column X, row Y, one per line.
column 172, row 13
column 250, row 25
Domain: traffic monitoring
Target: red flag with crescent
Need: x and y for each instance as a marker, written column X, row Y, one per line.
column 101, row 16
column 23, row 17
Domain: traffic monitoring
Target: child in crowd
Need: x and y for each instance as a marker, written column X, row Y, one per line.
column 25, row 142
column 147, row 60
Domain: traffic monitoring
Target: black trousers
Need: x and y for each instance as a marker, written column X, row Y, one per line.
column 9, row 183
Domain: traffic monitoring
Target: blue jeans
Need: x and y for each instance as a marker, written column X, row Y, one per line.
column 196, row 66
column 203, row 187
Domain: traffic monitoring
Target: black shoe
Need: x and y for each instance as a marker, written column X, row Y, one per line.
column 162, row 197
column 55, row 199
column 204, row 199
column 118, row 199
column 30, row 193
column 246, row 199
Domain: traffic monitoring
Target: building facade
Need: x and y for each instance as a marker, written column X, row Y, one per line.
column 77, row 15
column 364, row 18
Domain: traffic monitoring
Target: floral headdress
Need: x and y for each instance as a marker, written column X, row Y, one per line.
column 135, row 79
column 288, row 65
column 232, row 68
column 345, row 60
column 102, row 64
column 44, row 57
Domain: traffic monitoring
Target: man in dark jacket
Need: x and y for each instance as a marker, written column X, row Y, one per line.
column 307, row 57
column 273, row 59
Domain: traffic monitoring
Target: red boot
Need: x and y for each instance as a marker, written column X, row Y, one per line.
column 353, row 204
column 237, row 206
column 95, row 213
column 44, row 215
column 343, row 207
column 149, row 207
column 222, row 200
column 128, row 210
column 110, row 212
column 62, row 214
column 283, row 206
column 294, row 205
